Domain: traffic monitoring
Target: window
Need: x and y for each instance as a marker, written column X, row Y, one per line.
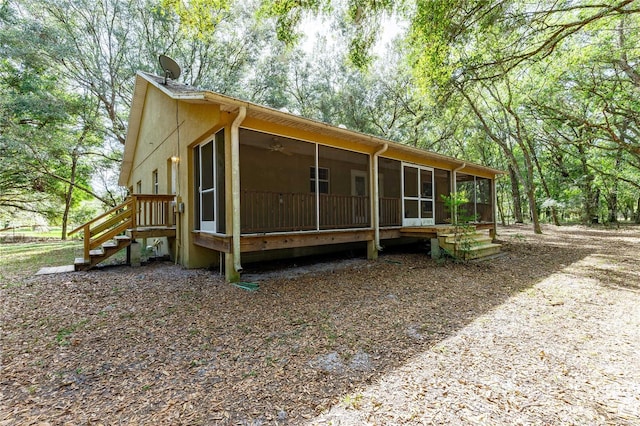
column 139, row 187
column 323, row 180
column 155, row 182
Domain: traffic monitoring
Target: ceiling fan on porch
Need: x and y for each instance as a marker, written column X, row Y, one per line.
column 276, row 146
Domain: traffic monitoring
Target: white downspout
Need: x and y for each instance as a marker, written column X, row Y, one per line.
column 494, row 210
column 455, row 192
column 376, row 198
column 235, row 186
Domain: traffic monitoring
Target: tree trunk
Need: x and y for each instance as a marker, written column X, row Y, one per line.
column 590, row 211
column 69, row 195
column 501, row 211
column 515, row 194
column 528, row 180
column 531, row 195
column 612, row 204
column 638, row 212
column 543, row 180
column 612, row 199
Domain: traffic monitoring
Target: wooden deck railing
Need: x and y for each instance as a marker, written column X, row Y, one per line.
column 390, row 211
column 136, row 211
column 344, row 211
column 442, row 213
column 264, row 211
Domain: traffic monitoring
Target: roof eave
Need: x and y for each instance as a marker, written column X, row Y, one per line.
column 228, row 103
column 135, row 115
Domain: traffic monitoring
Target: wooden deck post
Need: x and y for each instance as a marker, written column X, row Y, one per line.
column 134, row 254
column 494, row 209
column 230, row 273
column 435, row 248
column 372, row 250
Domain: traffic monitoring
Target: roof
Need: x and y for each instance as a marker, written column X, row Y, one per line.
column 191, row 94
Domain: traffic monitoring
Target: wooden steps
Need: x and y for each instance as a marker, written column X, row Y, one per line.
column 468, row 244
column 139, row 216
column 102, row 253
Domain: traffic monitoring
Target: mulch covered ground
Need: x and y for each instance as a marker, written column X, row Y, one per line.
column 547, row 334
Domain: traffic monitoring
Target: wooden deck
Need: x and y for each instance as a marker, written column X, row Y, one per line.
column 152, row 232
column 470, row 242
column 274, row 241
column 429, row 231
column 280, row 240
column 432, row 231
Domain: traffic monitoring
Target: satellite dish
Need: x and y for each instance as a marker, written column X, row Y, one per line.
column 170, row 67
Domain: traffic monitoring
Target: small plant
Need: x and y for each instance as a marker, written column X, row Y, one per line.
column 64, row 333
column 462, row 228
column 196, row 363
column 251, row 373
column 518, row 237
column 352, row 401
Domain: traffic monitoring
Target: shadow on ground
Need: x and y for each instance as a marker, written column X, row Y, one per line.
column 166, row 346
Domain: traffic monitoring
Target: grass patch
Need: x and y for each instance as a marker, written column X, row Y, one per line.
column 64, row 333
column 18, row 260
column 27, row 233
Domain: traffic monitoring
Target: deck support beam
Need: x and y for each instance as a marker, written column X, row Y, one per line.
column 230, row 273
column 435, row 248
column 372, row 250
column 494, row 209
column 134, row 254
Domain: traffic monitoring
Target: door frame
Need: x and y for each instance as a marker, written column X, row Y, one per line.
column 208, row 225
column 356, row 207
column 419, row 221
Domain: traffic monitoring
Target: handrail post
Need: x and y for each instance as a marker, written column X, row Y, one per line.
column 168, row 213
column 87, row 243
column 134, row 211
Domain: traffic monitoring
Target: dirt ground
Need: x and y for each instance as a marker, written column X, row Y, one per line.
column 547, row 334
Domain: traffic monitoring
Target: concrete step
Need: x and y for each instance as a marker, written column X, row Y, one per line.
column 80, row 264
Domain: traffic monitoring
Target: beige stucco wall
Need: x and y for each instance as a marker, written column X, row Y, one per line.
column 170, row 128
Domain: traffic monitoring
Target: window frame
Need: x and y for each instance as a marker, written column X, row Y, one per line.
column 321, row 180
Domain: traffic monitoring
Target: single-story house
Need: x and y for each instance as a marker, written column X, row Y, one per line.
column 226, row 180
